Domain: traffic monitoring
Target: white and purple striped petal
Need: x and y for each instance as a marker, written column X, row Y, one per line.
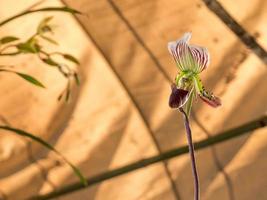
column 181, row 52
column 201, row 57
column 188, row 57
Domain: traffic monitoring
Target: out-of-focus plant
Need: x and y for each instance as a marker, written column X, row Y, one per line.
column 191, row 60
column 22, row 75
column 13, row 46
column 48, row 146
column 217, row 138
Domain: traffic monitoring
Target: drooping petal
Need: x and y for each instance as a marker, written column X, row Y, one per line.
column 178, row 97
column 201, row 57
column 181, row 53
column 210, row 99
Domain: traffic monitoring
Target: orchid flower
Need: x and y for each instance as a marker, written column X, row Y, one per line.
column 191, row 61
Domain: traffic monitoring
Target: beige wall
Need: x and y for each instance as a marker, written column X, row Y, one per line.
column 126, row 73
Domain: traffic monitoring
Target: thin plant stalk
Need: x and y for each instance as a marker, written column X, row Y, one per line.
column 192, row 154
column 64, row 9
column 204, row 143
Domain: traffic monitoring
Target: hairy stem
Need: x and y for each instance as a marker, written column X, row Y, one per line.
column 192, row 154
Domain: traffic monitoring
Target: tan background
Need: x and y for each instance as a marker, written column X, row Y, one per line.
column 126, row 73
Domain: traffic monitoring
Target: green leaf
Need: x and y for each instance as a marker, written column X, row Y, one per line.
column 28, row 47
column 71, row 58
column 60, row 96
column 8, row 39
column 49, row 40
column 48, row 146
column 43, row 26
column 67, row 97
column 45, row 29
column 68, row 92
column 49, row 61
column 30, row 79
column 26, row 77
column 77, row 79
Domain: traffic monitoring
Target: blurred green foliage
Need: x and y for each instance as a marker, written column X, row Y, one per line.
column 12, row 46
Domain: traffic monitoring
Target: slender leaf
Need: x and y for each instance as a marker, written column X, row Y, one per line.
column 71, row 58
column 43, row 25
column 67, row 97
column 49, row 61
column 60, row 96
column 49, row 40
column 48, row 146
column 8, row 39
column 26, row 77
column 30, row 79
column 28, row 47
column 68, row 92
column 77, row 79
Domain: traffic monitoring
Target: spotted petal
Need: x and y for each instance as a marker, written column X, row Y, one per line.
column 181, row 53
column 210, row 99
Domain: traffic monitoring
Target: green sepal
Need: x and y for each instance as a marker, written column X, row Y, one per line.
column 198, row 85
column 178, row 78
column 189, row 103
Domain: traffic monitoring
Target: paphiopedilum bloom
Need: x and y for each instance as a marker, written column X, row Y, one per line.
column 191, row 61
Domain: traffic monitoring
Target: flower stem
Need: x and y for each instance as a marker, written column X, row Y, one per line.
column 192, row 154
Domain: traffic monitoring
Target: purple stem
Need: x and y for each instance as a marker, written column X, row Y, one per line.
column 192, row 154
